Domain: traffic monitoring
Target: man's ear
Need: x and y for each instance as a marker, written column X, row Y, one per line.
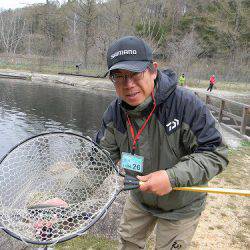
column 155, row 64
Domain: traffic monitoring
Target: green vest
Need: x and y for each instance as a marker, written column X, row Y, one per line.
column 182, row 80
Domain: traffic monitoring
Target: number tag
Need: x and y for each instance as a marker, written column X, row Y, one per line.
column 132, row 162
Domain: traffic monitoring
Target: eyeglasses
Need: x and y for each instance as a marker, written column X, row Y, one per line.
column 118, row 78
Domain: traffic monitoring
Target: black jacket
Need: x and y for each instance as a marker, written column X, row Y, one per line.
column 181, row 137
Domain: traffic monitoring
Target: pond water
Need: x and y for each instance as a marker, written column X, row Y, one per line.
column 28, row 109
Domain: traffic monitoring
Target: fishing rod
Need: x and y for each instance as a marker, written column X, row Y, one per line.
column 214, row 190
column 205, row 189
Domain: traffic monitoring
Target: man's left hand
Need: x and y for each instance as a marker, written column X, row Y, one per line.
column 156, row 182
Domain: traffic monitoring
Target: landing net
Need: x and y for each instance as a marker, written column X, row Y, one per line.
column 54, row 187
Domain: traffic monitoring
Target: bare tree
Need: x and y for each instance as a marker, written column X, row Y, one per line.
column 72, row 43
column 12, row 30
column 86, row 11
column 184, row 53
column 115, row 19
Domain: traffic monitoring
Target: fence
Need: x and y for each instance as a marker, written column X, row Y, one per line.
column 235, row 115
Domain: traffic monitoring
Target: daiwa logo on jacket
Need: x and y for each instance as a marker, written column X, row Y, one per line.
column 172, row 125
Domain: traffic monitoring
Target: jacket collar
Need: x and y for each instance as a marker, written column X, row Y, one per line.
column 166, row 84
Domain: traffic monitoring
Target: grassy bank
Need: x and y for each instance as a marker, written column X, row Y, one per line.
column 52, row 69
column 225, row 224
column 88, row 242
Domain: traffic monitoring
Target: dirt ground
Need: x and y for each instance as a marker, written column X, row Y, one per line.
column 225, row 224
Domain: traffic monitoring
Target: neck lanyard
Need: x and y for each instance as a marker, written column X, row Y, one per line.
column 137, row 136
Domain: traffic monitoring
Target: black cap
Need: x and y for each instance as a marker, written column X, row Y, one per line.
column 129, row 53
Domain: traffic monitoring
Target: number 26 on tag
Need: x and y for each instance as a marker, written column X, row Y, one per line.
column 132, row 162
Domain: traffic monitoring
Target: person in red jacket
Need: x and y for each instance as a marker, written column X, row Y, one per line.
column 211, row 83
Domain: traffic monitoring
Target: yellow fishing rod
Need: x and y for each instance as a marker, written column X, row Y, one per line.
column 204, row 189
column 214, row 190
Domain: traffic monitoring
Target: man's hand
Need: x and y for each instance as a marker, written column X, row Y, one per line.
column 156, row 182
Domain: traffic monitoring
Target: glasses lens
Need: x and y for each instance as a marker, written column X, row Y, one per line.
column 120, row 78
column 137, row 76
column 117, row 78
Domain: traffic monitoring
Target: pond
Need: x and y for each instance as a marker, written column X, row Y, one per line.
column 28, row 109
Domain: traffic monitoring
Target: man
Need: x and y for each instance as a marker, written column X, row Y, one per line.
column 211, row 82
column 182, row 80
column 172, row 132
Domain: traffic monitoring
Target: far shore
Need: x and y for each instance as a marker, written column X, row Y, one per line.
column 88, row 84
column 104, row 86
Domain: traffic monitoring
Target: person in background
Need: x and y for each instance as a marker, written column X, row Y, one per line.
column 182, row 80
column 166, row 137
column 211, row 83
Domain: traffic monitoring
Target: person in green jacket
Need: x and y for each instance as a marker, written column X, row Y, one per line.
column 171, row 130
column 182, row 80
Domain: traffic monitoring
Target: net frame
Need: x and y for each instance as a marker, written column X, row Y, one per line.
column 98, row 216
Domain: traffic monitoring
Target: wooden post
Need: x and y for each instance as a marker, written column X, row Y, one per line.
column 207, row 99
column 222, row 106
column 245, row 112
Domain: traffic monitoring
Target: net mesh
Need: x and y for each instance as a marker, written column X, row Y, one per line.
column 63, row 169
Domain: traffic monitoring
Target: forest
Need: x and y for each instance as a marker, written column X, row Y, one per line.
column 195, row 37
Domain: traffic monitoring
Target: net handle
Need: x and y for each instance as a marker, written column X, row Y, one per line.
column 130, row 183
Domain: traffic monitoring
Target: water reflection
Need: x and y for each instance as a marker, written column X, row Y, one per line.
column 28, row 109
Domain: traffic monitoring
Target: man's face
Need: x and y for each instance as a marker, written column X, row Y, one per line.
column 135, row 88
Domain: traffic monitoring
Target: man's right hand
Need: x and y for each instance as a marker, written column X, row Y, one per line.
column 157, row 182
